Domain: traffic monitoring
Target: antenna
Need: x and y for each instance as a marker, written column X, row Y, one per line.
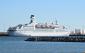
column 56, row 22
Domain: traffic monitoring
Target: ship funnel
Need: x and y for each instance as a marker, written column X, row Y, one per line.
column 32, row 17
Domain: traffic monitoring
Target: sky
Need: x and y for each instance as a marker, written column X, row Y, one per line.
column 69, row 13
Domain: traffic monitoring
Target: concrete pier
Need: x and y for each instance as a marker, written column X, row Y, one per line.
column 58, row 39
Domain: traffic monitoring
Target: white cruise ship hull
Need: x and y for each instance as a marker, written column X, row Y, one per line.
column 26, row 33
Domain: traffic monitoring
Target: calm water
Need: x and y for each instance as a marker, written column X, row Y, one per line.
column 17, row 45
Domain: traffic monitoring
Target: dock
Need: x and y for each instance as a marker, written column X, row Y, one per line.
column 58, row 39
column 3, row 34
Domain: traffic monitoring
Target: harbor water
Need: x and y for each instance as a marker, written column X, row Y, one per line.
column 18, row 45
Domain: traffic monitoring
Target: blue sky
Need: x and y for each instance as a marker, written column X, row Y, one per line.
column 67, row 12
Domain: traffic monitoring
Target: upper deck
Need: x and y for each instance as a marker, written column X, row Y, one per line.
column 37, row 26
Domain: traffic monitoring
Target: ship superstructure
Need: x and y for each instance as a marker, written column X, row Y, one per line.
column 37, row 29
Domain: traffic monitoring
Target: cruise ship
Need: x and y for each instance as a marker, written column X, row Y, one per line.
column 38, row 29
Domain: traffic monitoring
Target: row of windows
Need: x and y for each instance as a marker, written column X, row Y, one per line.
column 41, row 30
